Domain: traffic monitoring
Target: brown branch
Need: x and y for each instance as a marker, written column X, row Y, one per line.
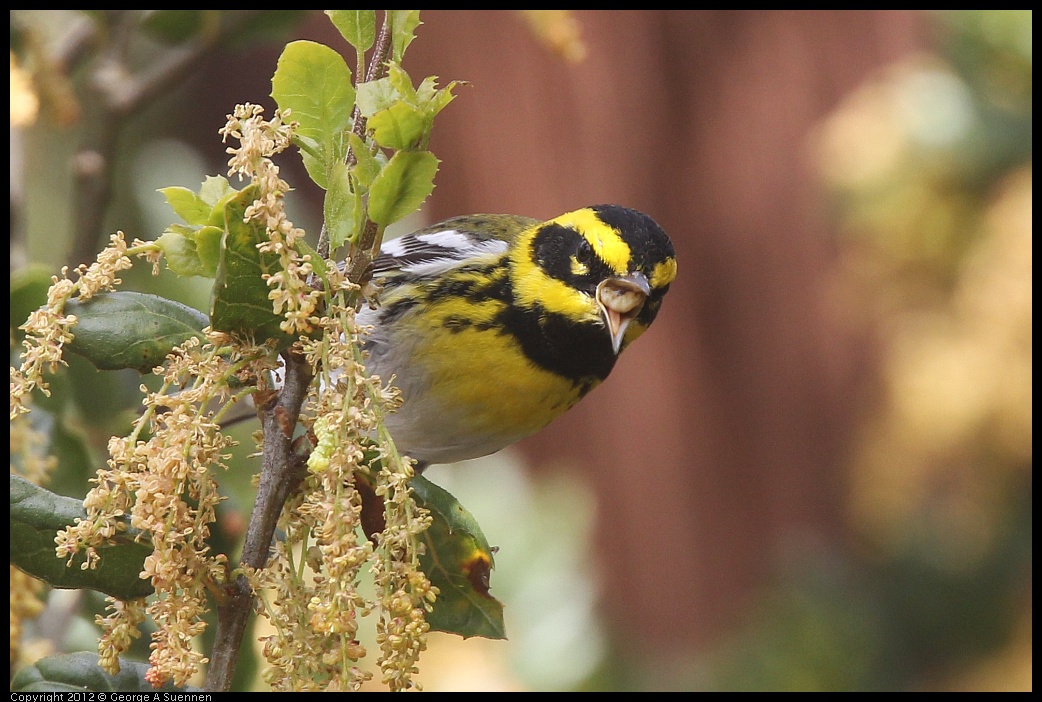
column 281, row 473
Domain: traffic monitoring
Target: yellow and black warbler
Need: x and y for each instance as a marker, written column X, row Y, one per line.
column 494, row 325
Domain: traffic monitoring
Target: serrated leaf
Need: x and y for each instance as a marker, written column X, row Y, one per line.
column 216, row 189
column 314, row 82
column 37, row 515
column 358, row 27
column 131, row 330
column 80, row 672
column 187, row 205
column 400, row 126
column 402, row 186
column 339, row 208
column 239, row 302
column 403, row 31
column 433, row 100
column 458, row 561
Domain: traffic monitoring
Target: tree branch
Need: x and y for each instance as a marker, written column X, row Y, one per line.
column 280, row 475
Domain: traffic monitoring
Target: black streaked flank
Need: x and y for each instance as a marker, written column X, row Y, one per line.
column 395, row 311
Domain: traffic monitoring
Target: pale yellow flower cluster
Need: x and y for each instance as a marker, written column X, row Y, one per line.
column 165, row 486
column 406, row 593
column 48, row 329
column 259, row 139
column 315, row 618
column 120, row 628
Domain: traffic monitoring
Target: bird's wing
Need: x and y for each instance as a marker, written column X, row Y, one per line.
column 441, row 247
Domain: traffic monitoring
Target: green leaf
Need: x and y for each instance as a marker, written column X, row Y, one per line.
column 376, row 95
column 402, row 83
column 458, row 561
column 208, row 247
column 131, row 330
column 314, row 82
column 403, row 28
column 366, row 167
column 357, row 26
column 195, row 248
column 402, row 186
column 341, row 218
column 433, row 100
column 187, row 205
column 239, row 302
column 36, row 516
column 216, row 190
column 191, row 250
column 80, row 672
column 400, row 126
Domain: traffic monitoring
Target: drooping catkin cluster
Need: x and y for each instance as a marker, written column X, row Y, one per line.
column 160, row 478
column 49, row 329
column 405, row 593
column 314, row 606
column 165, row 488
column 316, row 617
column 162, row 486
column 259, row 140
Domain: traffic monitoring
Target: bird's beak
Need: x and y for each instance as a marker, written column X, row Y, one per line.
column 620, row 300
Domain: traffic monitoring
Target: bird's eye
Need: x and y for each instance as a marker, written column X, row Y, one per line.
column 585, row 253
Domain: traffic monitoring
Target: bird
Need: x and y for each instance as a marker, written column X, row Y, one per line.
column 494, row 325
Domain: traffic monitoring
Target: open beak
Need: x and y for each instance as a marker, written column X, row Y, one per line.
column 620, row 300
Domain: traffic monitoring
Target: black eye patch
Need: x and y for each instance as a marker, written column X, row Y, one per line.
column 553, row 249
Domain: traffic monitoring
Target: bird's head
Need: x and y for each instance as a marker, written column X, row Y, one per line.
column 602, row 265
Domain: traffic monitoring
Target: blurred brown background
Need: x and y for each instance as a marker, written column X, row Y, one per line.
column 768, row 513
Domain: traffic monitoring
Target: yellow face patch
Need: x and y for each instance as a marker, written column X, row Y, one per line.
column 532, row 286
column 606, row 241
column 663, row 273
